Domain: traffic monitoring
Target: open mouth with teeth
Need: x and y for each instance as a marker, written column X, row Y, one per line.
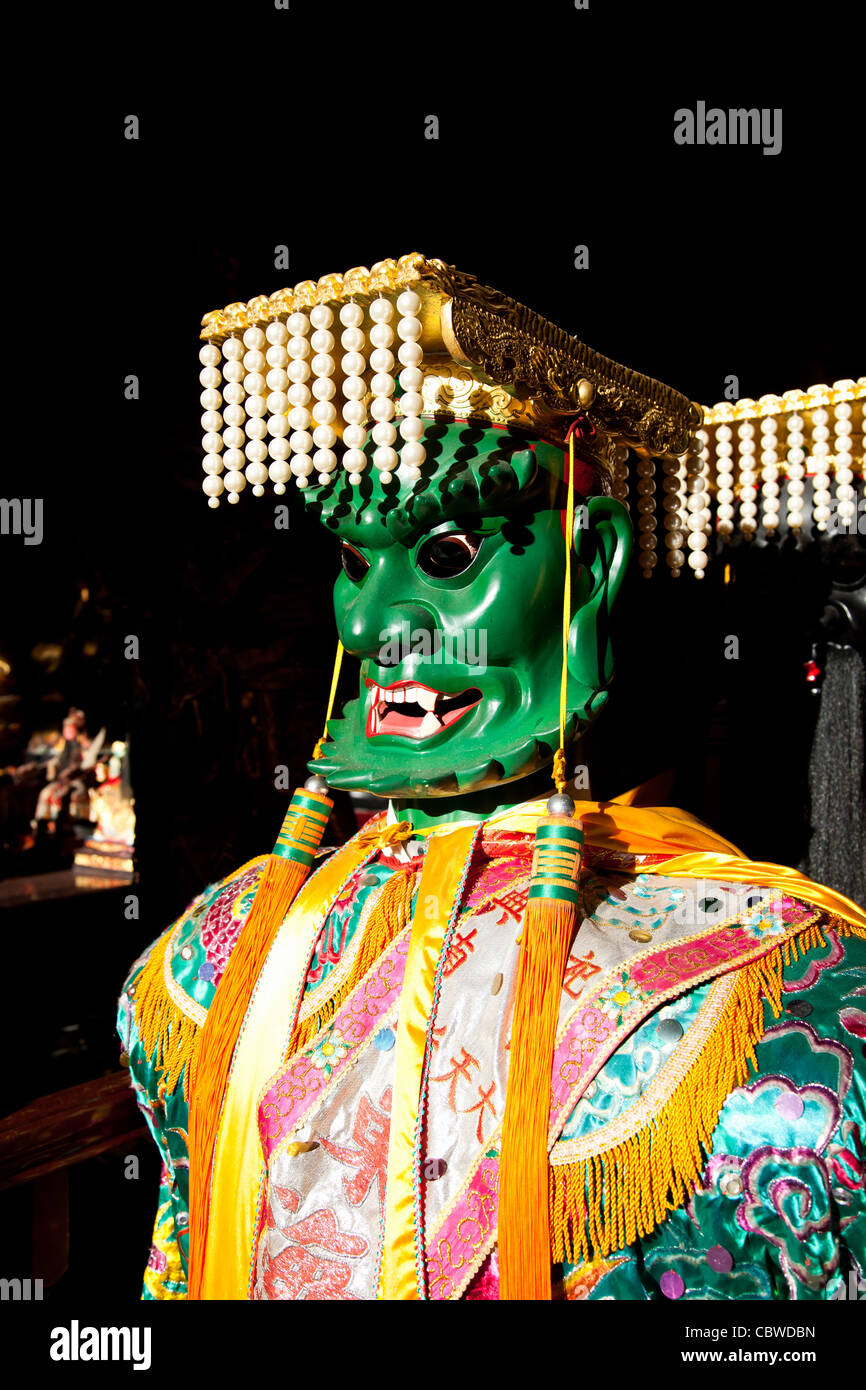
column 415, row 711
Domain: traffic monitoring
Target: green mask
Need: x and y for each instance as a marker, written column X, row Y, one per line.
column 451, row 597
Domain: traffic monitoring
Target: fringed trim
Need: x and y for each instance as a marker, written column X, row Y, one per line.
column 386, row 921
column 605, row 1202
column 168, row 1036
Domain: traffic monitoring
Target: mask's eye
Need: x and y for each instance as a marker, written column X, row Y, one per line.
column 354, row 564
column 442, row 557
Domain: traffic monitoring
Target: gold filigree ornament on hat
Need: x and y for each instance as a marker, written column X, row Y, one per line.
column 336, row 374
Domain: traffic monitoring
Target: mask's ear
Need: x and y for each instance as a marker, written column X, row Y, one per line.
column 603, row 541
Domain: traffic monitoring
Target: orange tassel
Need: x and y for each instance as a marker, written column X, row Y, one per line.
column 548, row 928
column 284, row 873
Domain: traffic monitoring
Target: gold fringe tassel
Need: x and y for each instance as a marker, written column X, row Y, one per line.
column 167, row 1036
column 605, row 1202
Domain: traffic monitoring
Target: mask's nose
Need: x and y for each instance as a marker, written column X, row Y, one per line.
column 383, row 627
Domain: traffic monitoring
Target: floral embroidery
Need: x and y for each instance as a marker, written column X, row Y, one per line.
column 330, row 1050
column 764, row 920
column 621, row 997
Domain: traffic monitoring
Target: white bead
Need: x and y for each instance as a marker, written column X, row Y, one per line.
column 413, row 454
column 770, row 489
column 354, row 436
column 381, row 310
column 696, row 522
column 301, row 442
column 256, row 405
column 746, row 430
column 769, row 457
column 724, row 450
column 233, row 497
column 299, row 418
column 213, row 487
column 795, row 487
column 209, row 355
column 325, row 461
column 725, row 494
column 235, row 481
column 278, row 403
column 324, row 413
column 748, row 510
column 279, row 448
column 298, row 325
column 212, row 443
column 279, row 471
column 410, row 354
column 822, row 513
column 382, row 384
column 321, row 316
column 771, row 506
column 233, row 350
column 698, row 560
column 298, row 370
column 278, row 426
column 770, row 522
column 234, row 371
column 768, row 425
column 254, row 338
column 408, row 303
column 212, row 463
column 795, row 422
column 298, row 394
column 277, row 380
column 322, row 364
column 324, row 388
column 234, row 437
column 381, row 360
column 257, row 474
column 234, row 393
column 747, row 447
column 233, row 459
column 255, row 361
column 843, row 410
column 726, row 511
column 846, row 510
column 277, row 334
column 821, row 495
column 411, row 379
column 353, row 412
column 234, row 415
column 354, row 388
column 352, row 364
column 844, row 475
column 301, row 466
column 256, row 428
column 385, row 458
column 821, row 449
column 209, row 376
column 724, row 528
column 324, row 436
column 411, row 427
column 845, row 492
column 795, row 439
column 351, row 315
column 842, row 427
column 383, row 433
column 298, row 348
column 381, row 335
column 385, row 475
column 748, row 493
column 411, row 403
column 354, row 461
column 382, row 408
column 723, row 432
column 255, row 384
column 409, row 329
column 212, row 400
column 258, row 490
column 322, row 341
column 211, row 420
column 351, row 340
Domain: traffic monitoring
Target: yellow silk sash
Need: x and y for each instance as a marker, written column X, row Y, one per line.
column 444, row 866
column 237, row 1165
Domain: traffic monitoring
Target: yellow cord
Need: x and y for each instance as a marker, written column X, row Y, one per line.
column 338, row 661
column 559, row 776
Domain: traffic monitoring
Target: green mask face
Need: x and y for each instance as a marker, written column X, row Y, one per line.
column 451, row 597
